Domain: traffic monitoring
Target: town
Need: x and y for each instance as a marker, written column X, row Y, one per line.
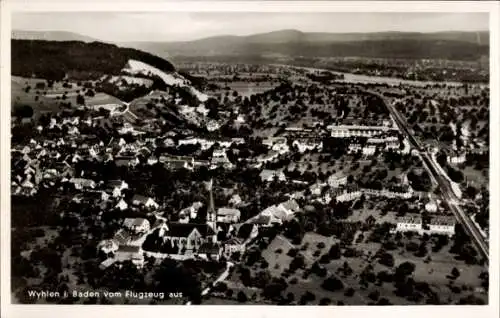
column 241, row 183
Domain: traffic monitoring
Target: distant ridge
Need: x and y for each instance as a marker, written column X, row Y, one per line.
column 452, row 45
column 50, row 36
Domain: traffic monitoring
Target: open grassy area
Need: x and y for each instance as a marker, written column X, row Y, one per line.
column 51, row 99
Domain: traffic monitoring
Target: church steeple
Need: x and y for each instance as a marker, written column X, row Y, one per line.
column 211, row 213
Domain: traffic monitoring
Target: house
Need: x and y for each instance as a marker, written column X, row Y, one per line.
column 152, row 160
column 305, row 144
column 115, row 187
column 227, row 215
column 246, row 231
column 431, row 206
column 290, row 207
column 126, row 161
column 336, row 180
column 210, row 251
column 457, row 158
column 122, row 205
column 261, row 220
column 141, row 200
column 281, row 212
column 270, row 175
column 177, row 162
column 192, row 211
column 277, row 144
column 130, row 253
column 240, row 119
column 409, row 223
column 369, row 150
column 122, row 237
column 82, row 183
column 317, row 188
column 346, row 131
column 108, row 246
column 137, row 225
column 213, row 125
column 442, row 225
column 268, row 157
column 189, row 236
column 235, row 200
column 348, row 194
column 354, row 148
column 219, row 157
column 169, row 142
column 107, row 263
column 234, row 245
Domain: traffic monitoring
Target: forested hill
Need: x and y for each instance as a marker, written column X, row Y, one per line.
column 293, row 43
column 54, row 60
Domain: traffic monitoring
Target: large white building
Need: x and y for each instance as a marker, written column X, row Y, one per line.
column 409, row 223
column 337, row 179
column 442, row 225
column 346, row 131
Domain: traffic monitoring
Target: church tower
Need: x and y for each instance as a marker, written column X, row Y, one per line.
column 211, row 213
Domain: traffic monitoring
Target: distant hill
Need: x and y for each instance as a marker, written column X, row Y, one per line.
column 55, row 60
column 441, row 45
column 50, row 36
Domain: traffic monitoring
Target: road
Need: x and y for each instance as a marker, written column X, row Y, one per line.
column 447, row 194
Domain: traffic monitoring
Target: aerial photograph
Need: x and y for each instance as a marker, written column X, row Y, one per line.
column 249, row 158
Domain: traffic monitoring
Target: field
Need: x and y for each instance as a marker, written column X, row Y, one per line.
column 51, row 99
column 436, row 273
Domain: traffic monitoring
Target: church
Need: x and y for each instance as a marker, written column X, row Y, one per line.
column 189, row 237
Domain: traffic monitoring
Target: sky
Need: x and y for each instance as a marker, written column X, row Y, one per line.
column 183, row 26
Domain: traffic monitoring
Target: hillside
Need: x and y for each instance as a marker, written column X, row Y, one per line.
column 55, row 60
column 442, row 45
column 50, row 36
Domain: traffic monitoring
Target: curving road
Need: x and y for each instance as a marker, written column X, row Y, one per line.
column 447, row 194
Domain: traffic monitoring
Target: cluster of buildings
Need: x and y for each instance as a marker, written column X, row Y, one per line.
column 439, row 224
column 221, row 234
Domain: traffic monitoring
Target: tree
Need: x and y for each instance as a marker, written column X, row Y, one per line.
column 335, row 252
column 349, row 292
column 80, row 100
column 242, row 298
column 90, row 93
column 307, row 297
column 332, row 283
column 374, row 295
column 24, row 111
column 325, row 301
column 386, row 259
